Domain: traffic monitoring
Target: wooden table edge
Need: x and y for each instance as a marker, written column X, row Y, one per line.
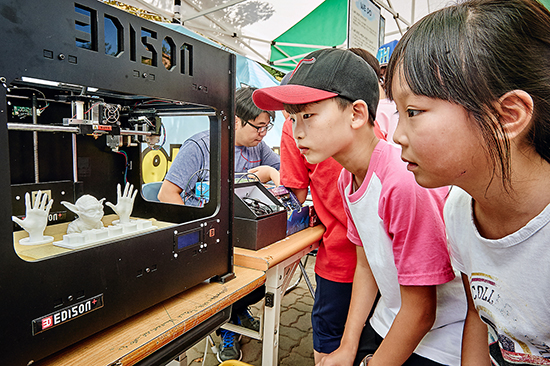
column 267, row 257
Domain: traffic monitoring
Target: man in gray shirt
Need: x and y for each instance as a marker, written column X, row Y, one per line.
column 252, row 155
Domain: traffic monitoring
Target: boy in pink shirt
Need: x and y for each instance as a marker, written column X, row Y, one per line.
column 397, row 225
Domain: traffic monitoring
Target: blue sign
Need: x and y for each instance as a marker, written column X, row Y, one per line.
column 385, row 51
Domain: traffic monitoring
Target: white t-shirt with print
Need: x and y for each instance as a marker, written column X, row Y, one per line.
column 509, row 281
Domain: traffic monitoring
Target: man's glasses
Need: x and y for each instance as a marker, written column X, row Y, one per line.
column 261, row 129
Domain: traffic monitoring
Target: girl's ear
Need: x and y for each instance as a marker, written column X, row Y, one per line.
column 515, row 110
column 360, row 115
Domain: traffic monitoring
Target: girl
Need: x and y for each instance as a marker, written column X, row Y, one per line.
column 474, row 112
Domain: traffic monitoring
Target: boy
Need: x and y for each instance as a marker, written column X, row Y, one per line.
column 332, row 97
column 335, row 261
column 336, row 257
column 251, row 154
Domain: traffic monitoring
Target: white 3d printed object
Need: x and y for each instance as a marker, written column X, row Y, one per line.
column 36, row 219
column 105, row 234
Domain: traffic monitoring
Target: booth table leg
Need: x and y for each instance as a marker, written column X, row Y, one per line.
column 277, row 280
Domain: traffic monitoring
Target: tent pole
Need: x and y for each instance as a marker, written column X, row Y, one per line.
column 224, row 29
column 214, row 9
column 288, row 58
column 206, row 32
column 396, row 16
column 301, row 45
column 218, row 23
column 227, row 33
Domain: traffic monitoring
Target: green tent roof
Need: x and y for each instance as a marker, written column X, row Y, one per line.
column 326, row 26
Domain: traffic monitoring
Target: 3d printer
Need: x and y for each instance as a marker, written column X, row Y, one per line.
column 84, row 89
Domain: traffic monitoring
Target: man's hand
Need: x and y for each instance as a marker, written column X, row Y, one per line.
column 266, row 173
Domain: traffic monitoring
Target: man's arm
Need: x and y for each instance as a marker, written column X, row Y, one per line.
column 475, row 345
column 266, row 173
column 186, row 169
column 170, row 193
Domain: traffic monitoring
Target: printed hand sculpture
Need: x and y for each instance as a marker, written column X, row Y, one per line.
column 125, row 203
column 36, row 219
column 89, row 211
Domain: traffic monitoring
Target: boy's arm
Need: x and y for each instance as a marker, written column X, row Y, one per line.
column 300, row 193
column 475, row 345
column 415, row 318
column 363, row 295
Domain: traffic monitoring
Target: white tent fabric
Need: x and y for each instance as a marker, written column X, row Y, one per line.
column 247, row 27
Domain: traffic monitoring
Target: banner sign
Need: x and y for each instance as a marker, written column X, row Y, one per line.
column 363, row 25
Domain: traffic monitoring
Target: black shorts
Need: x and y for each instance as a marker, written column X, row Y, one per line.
column 370, row 341
column 329, row 313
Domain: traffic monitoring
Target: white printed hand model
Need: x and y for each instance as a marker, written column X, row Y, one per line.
column 36, row 217
column 125, row 203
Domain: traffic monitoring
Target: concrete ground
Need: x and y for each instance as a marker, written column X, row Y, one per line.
column 295, row 340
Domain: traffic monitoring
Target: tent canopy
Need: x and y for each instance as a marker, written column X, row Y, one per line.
column 248, row 27
column 310, row 34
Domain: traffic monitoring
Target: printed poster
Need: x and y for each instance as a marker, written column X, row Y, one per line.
column 363, row 25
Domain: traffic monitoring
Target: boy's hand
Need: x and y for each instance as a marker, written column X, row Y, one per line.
column 266, row 173
column 339, row 357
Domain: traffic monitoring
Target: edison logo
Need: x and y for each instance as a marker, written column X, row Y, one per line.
column 47, row 322
column 67, row 314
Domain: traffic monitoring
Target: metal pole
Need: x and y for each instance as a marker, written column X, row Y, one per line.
column 35, row 138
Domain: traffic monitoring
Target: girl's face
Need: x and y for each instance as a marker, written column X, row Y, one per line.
column 439, row 140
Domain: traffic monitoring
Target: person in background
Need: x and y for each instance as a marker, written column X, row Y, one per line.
column 472, row 86
column 252, row 155
column 386, row 114
column 396, row 224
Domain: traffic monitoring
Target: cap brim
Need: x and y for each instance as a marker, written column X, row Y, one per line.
column 274, row 98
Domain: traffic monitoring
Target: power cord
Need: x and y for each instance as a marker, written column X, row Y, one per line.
column 258, row 207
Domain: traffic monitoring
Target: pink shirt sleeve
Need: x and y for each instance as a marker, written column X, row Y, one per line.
column 413, row 218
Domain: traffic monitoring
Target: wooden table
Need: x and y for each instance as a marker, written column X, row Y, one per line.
column 279, row 261
column 162, row 331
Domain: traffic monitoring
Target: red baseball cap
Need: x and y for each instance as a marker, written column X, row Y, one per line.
column 321, row 75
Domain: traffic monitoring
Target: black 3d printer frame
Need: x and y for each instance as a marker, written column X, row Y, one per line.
column 43, row 39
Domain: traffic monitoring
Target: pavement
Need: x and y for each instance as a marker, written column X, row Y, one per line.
column 295, row 339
